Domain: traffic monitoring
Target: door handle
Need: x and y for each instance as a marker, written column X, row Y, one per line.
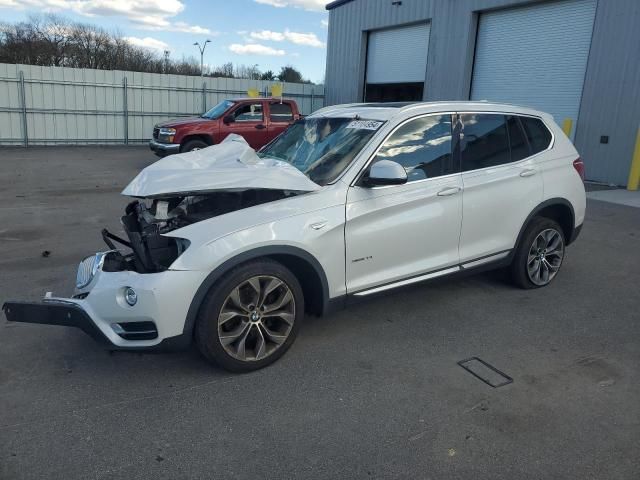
column 260, row 127
column 529, row 172
column 449, row 191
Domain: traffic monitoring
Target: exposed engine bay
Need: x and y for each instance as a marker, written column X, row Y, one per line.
column 146, row 223
column 187, row 188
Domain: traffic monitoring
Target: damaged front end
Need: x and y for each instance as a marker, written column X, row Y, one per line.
column 145, row 226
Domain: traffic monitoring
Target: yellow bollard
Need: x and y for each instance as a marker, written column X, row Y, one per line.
column 634, row 173
column 567, row 126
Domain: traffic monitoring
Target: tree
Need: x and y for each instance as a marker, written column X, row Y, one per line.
column 290, row 74
column 224, row 71
column 268, row 75
column 51, row 40
column 55, row 41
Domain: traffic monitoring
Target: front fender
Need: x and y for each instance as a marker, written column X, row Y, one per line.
column 247, row 256
column 319, row 233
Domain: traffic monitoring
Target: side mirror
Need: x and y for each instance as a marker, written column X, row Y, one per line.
column 386, row 172
column 228, row 119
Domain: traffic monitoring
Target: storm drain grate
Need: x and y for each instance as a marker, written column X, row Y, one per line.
column 485, row 372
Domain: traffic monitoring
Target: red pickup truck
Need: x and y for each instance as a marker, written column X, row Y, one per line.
column 258, row 120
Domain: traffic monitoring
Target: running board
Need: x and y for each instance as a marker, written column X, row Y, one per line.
column 438, row 273
column 408, row 281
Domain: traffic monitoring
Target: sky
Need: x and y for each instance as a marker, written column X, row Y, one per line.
column 269, row 33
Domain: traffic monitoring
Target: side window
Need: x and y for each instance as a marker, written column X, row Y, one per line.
column 422, row 146
column 483, row 141
column 519, row 145
column 537, row 133
column 249, row 113
column 280, row 112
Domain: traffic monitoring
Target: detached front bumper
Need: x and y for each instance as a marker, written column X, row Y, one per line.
column 163, row 149
column 155, row 322
column 54, row 313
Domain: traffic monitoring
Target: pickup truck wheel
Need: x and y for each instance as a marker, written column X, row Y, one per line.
column 539, row 255
column 251, row 318
column 193, row 145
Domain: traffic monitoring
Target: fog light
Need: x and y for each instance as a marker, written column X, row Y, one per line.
column 130, row 296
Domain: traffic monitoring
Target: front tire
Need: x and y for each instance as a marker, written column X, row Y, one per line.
column 193, row 145
column 251, row 317
column 539, row 255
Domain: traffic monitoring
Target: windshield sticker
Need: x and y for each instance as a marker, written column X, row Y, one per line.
column 365, row 124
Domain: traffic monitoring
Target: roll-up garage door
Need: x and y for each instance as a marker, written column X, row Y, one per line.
column 535, row 56
column 398, row 55
column 397, row 62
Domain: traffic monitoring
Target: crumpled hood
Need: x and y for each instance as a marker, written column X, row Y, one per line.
column 230, row 165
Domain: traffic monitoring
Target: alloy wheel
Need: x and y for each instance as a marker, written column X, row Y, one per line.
column 256, row 318
column 545, row 256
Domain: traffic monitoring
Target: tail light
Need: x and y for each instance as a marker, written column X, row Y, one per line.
column 578, row 164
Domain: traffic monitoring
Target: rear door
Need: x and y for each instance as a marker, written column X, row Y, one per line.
column 502, row 183
column 248, row 121
column 280, row 117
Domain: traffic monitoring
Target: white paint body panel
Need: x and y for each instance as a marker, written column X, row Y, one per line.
column 497, row 201
column 162, row 297
column 285, row 222
column 559, row 176
column 399, row 231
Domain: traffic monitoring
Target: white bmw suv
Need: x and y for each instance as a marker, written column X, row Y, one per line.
column 231, row 247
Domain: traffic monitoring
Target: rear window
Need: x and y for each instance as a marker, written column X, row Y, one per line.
column 537, row 133
column 519, row 145
column 483, row 141
column 280, row 112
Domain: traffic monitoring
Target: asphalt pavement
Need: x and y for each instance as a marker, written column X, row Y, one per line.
column 373, row 391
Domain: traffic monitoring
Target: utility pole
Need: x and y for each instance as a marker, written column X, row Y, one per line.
column 201, row 48
column 166, row 61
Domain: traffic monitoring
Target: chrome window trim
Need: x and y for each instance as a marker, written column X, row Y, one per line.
column 358, row 176
column 415, row 182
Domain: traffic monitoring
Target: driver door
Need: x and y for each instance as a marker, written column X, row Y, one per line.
column 397, row 232
column 248, row 121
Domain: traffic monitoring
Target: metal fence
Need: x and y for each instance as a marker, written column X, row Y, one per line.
column 59, row 105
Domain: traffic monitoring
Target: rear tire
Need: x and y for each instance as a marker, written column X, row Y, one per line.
column 539, row 254
column 192, row 145
column 251, row 317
